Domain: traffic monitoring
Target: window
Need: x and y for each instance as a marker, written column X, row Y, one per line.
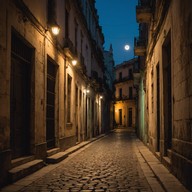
column 69, row 80
column 130, row 92
column 80, row 98
column 76, row 33
column 120, row 93
column 51, row 11
column 130, row 73
column 76, row 96
column 66, row 24
column 120, row 75
column 81, row 42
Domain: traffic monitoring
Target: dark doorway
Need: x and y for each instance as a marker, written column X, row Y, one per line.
column 85, row 117
column 120, row 116
column 21, row 59
column 76, row 113
column 130, row 118
column 50, row 107
column 130, row 74
column 93, row 109
column 167, row 92
column 158, row 108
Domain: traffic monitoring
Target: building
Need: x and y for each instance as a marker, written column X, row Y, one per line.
column 109, row 79
column 109, row 65
column 50, row 98
column 164, row 83
column 125, row 94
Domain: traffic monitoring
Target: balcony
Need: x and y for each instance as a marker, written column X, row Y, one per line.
column 140, row 46
column 125, row 97
column 81, row 64
column 69, row 48
column 124, row 79
column 143, row 11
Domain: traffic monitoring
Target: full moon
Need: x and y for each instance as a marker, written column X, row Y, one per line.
column 127, row 47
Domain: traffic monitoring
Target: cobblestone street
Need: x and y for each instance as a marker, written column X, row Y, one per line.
column 118, row 162
column 109, row 164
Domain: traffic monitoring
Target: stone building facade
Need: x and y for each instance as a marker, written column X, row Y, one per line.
column 125, row 94
column 109, row 76
column 164, row 82
column 50, row 85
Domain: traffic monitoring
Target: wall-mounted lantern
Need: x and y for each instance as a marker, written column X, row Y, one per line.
column 55, row 29
column 87, row 91
column 74, row 62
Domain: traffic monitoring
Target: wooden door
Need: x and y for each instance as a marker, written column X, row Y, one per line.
column 20, row 97
column 50, row 107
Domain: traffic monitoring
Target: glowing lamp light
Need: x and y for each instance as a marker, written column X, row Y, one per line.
column 127, row 47
column 87, row 90
column 101, row 97
column 74, row 62
column 55, row 29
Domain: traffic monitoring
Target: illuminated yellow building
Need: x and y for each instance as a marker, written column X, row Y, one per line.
column 125, row 94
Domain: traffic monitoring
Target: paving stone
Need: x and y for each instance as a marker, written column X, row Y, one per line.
column 112, row 164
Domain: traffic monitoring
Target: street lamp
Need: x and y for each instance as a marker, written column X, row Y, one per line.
column 87, row 90
column 74, row 62
column 55, row 29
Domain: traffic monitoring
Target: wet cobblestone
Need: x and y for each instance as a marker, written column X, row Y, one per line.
column 109, row 164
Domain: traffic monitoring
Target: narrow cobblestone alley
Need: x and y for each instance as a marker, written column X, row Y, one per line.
column 108, row 165
column 111, row 163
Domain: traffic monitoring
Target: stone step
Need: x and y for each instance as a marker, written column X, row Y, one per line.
column 57, row 157
column 53, row 151
column 21, row 171
column 20, row 161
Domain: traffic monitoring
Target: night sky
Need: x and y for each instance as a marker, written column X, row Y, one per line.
column 118, row 21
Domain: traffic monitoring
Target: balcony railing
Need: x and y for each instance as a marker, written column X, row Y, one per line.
column 120, row 80
column 125, row 97
column 143, row 11
column 140, row 46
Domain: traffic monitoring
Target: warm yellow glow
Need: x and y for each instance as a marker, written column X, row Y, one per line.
column 101, row 97
column 74, row 62
column 55, row 29
column 87, row 90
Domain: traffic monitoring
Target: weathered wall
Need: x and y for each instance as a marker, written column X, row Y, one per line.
column 177, row 25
